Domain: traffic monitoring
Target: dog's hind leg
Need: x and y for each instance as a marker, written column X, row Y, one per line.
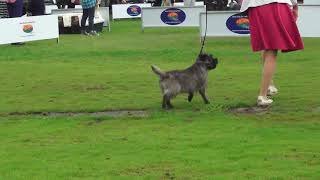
column 169, row 104
column 202, row 92
column 166, row 104
column 190, row 96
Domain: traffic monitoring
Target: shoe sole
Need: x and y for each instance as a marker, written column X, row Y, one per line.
column 263, row 105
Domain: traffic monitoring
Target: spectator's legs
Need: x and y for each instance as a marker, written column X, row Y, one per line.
column 91, row 18
column 15, row 9
column 10, row 10
column 37, row 7
column 70, row 4
column 84, row 19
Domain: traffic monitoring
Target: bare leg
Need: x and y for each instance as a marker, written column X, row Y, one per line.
column 204, row 97
column 263, row 57
column 269, row 67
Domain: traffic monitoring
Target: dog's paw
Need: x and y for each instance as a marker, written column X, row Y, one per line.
column 170, row 106
column 167, row 108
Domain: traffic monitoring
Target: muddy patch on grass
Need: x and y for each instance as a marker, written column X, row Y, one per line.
column 109, row 113
column 97, row 120
column 317, row 109
column 188, row 120
column 97, row 87
column 167, row 172
column 249, row 110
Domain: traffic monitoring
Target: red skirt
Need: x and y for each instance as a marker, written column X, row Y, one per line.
column 273, row 27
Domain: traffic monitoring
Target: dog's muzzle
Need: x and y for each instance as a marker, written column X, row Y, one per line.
column 213, row 64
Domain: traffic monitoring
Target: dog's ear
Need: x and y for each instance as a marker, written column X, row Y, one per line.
column 201, row 57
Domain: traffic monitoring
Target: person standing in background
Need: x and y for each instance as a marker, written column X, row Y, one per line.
column 273, row 28
column 166, row 3
column 15, row 8
column 61, row 4
column 72, row 3
column 88, row 8
column 37, row 7
column 3, row 9
column 239, row 2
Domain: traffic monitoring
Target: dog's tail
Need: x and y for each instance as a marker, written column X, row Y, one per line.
column 157, row 70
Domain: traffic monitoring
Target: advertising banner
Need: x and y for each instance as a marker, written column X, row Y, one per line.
column 24, row 29
column 120, row 11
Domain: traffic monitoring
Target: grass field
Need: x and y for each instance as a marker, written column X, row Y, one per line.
column 193, row 141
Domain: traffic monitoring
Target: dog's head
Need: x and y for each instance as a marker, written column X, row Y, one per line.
column 207, row 60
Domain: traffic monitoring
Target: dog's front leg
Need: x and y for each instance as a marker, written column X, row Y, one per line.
column 190, row 96
column 202, row 92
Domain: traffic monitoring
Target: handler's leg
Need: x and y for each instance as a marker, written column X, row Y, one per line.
column 272, row 90
column 269, row 66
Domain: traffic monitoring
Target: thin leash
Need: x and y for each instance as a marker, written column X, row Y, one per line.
column 205, row 33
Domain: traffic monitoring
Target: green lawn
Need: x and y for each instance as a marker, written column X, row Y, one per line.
column 193, row 141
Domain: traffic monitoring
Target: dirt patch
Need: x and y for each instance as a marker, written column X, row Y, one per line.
column 169, row 175
column 167, row 172
column 196, row 110
column 317, row 109
column 249, row 110
column 97, row 87
column 110, row 113
column 98, row 120
column 188, row 120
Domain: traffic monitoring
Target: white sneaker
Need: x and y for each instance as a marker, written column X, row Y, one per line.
column 264, row 101
column 94, row 33
column 272, row 90
column 83, row 32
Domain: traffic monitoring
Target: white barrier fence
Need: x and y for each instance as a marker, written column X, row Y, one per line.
column 223, row 23
column 49, row 8
column 216, row 23
column 311, row 2
column 197, row 3
column 308, row 21
column 126, row 11
column 102, row 12
column 171, row 16
column 24, row 29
